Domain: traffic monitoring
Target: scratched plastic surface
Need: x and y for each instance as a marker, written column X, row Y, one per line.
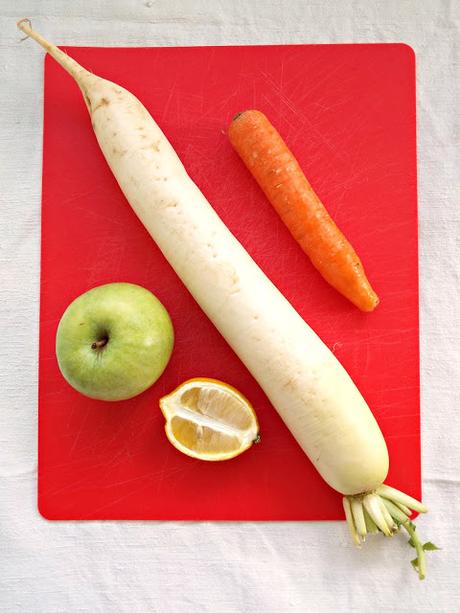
column 348, row 113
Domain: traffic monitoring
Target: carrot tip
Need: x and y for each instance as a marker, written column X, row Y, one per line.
column 368, row 307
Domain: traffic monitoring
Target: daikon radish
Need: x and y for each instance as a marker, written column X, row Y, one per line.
column 306, row 384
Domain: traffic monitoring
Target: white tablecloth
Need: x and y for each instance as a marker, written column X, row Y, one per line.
column 240, row 567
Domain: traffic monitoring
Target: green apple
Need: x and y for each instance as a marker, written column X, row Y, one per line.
column 114, row 341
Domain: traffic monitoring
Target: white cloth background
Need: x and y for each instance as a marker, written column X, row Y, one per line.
column 169, row 567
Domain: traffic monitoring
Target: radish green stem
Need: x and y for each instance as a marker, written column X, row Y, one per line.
column 358, row 516
column 403, row 508
column 372, row 506
column 394, row 511
column 420, row 562
column 387, row 517
column 370, row 524
column 393, row 494
column 386, row 514
column 350, row 522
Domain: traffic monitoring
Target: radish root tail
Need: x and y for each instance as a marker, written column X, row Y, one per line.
column 28, row 23
column 386, row 510
column 80, row 74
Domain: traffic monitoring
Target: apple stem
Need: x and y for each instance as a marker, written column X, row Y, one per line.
column 100, row 343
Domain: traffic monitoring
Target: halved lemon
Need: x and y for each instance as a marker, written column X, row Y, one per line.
column 209, row 420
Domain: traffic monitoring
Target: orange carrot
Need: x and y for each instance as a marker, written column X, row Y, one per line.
column 279, row 175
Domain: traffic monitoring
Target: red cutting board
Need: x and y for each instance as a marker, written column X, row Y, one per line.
column 348, row 113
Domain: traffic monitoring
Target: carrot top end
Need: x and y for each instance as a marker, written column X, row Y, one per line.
column 235, row 117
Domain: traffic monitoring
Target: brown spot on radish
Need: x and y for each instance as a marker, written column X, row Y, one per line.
column 290, row 384
column 119, row 152
column 102, row 102
column 114, row 134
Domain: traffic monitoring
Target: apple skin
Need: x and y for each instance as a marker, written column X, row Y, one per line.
column 114, row 341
